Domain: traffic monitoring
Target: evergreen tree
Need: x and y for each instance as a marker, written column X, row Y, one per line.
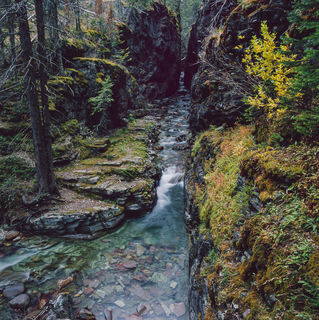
column 305, row 17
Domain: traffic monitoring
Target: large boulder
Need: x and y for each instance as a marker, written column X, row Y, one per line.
column 154, row 41
column 85, row 80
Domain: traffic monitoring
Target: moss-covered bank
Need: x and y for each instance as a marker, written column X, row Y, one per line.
column 255, row 212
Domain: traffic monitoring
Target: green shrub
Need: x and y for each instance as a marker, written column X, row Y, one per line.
column 104, row 97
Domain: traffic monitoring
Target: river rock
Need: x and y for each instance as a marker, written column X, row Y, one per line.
column 129, row 264
column 140, row 250
column 21, row 301
column 11, row 235
column 13, row 290
column 85, row 314
column 63, row 283
column 141, row 308
column 62, row 306
column 178, row 309
column 120, row 303
column 165, row 308
column 140, row 292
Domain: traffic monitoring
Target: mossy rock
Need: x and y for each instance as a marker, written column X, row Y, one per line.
column 271, row 170
column 71, row 127
column 91, row 147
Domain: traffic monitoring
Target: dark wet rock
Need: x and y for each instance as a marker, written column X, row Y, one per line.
column 212, row 14
column 180, row 146
column 155, row 46
column 20, row 302
column 182, row 137
column 62, row 306
column 13, row 290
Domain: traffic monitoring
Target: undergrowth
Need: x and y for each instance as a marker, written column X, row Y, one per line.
column 14, row 174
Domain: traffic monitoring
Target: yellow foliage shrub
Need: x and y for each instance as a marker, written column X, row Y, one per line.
column 267, row 63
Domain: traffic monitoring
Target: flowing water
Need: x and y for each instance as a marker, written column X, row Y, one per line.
column 144, row 262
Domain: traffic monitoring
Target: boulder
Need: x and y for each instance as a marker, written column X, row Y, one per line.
column 13, row 290
column 84, row 81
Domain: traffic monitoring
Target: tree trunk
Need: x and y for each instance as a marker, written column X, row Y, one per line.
column 44, row 95
column 53, row 22
column 41, row 140
column 2, row 55
column 11, row 29
column 77, row 11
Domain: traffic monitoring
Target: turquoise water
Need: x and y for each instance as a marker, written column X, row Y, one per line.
column 143, row 262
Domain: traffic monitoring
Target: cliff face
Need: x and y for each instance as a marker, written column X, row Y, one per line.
column 154, row 42
column 212, row 15
column 250, row 256
column 219, row 85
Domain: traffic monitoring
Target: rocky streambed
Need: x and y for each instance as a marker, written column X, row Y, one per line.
column 139, row 271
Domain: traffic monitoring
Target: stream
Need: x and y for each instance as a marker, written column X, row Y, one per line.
column 144, row 262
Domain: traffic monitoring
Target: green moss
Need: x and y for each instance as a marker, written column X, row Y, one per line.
column 221, row 205
column 61, row 80
column 312, row 267
column 271, row 170
column 281, row 238
column 71, row 127
column 128, row 174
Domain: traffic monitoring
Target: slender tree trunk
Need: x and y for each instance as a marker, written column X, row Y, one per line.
column 53, row 22
column 11, row 29
column 42, row 144
column 2, row 55
column 77, row 12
